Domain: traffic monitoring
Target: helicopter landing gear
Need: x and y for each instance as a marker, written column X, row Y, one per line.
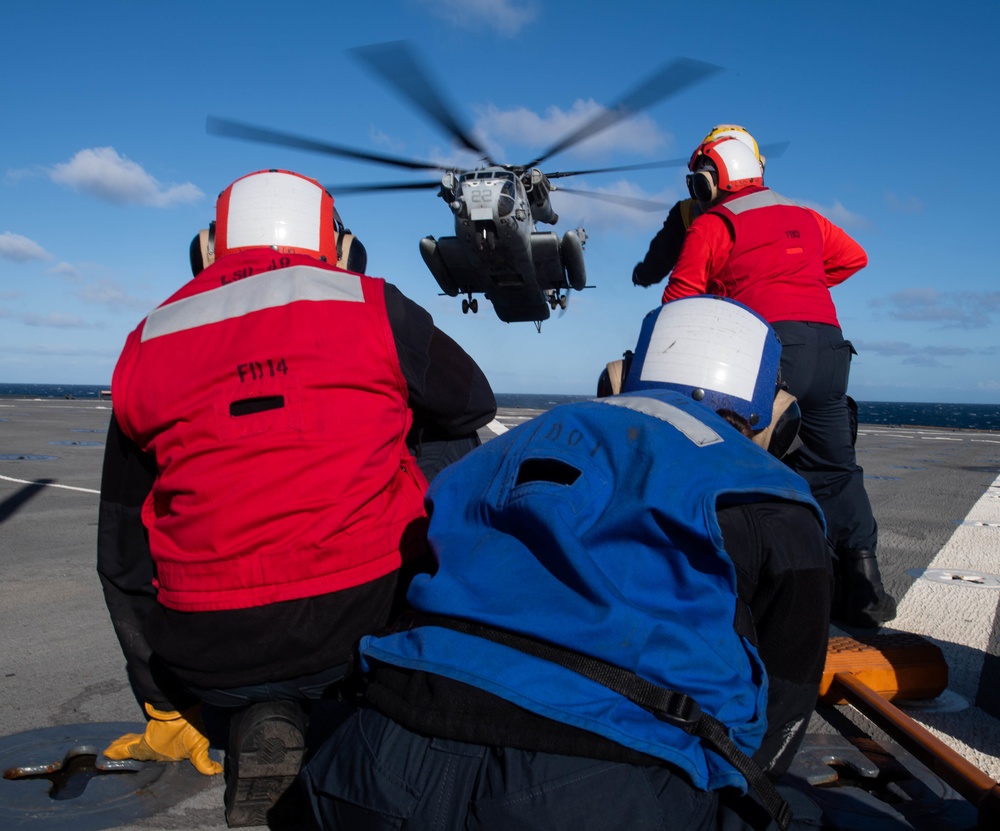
column 558, row 301
column 472, row 304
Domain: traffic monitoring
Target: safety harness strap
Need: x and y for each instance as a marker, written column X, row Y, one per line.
column 666, row 705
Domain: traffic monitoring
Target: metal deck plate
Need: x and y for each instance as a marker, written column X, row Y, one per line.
column 102, row 794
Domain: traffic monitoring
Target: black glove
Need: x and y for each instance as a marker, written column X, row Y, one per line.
column 639, row 276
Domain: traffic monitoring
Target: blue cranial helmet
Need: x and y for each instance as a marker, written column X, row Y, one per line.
column 712, row 349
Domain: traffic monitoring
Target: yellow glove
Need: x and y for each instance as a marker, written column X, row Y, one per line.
column 170, row 737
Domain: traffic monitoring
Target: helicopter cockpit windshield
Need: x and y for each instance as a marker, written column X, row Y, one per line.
column 481, row 188
column 505, row 205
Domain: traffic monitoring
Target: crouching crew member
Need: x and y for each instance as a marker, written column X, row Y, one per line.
column 630, row 598
column 259, row 498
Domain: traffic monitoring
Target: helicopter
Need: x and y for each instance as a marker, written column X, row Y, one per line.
column 496, row 249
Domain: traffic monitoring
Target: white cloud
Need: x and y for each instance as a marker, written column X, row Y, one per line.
column 55, row 320
column 621, row 206
column 18, row 174
column 903, row 205
column 106, row 292
column 383, row 139
column 924, row 355
column 21, row 249
column 67, row 270
column 507, row 17
column 102, row 172
column 838, row 214
column 56, row 349
column 968, row 309
column 522, row 127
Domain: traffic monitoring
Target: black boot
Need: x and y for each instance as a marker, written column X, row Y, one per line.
column 865, row 601
column 266, row 749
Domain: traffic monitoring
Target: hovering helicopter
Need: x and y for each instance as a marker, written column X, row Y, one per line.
column 496, row 250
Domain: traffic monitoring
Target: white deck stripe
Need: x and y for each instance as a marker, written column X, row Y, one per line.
column 47, row 484
column 496, row 428
column 961, row 622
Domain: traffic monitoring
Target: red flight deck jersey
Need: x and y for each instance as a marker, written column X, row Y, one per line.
column 772, row 255
column 269, row 391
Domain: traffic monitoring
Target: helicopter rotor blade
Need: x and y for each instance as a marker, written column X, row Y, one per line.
column 628, row 201
column 666, row 81
column 340, row 190
column 774, row 150
column 770, row 151
column 236, row 129
column 640, row 166
column 397, row 64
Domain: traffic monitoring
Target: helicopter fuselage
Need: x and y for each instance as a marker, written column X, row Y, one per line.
column 493, row 218
column 496, row 250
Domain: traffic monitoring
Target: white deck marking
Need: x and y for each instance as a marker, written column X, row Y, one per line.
column 496, row 428
column 961, row 622
column 48, row 484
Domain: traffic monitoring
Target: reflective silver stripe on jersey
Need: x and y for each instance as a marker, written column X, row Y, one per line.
column 268, row 290
column 698, row 432
column 761, row 199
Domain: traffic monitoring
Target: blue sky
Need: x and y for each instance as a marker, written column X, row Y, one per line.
column 891, row 111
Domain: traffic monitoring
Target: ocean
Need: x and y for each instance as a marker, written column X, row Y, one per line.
column 903, row 414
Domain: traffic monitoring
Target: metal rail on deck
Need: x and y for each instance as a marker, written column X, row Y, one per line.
column 972, row 783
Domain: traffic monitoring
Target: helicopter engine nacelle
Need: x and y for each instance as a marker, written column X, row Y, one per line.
column 571, row 251
column 538, row 188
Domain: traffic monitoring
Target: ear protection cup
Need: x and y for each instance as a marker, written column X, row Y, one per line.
column 613, row 376
column 202, row 251
column 702, row 185
column 194, row 252
column 351, row 254
column 781, row 437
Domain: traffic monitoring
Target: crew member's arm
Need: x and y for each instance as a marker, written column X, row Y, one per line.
column 784, row 575
column 705, row 252
column 664, row 248
column 125, row 566
column 842, row 255
column 448, row 393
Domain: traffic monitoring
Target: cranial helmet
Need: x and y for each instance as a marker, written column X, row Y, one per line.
column 286, row 211
column 724, row 164
column 737, row 132
column 713, row 349
column 276, row 209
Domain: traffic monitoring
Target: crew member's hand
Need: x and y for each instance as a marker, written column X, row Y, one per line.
column 170, row 737
column 638, row 276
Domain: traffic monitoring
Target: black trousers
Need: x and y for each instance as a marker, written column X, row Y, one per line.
column 374, row 775
column 815, row 364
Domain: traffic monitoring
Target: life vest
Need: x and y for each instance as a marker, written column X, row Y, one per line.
column 593, row 528
column 776, row 266
column 276, row 409
column 690, row 211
